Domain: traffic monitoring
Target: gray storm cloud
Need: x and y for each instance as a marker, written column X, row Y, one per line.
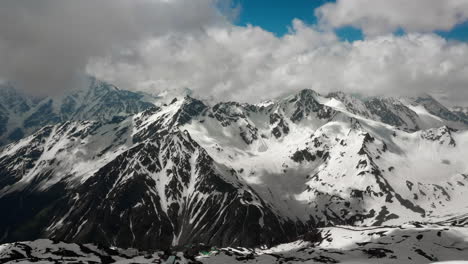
column 45, row 45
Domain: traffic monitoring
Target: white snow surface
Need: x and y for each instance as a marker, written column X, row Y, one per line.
column 425, row 167
column 334, row 164
column 341, row 244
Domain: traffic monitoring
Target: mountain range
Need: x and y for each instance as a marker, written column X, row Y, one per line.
column 120, row 168
column 21, row 114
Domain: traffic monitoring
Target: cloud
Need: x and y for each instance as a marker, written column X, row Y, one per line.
column 251, row 64
column 45, row 45
column 377, row 17
column 156, row 45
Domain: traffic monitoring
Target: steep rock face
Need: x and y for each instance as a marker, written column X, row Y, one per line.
column 436, row 108
column 410, row 114
column 442, row 135
column 22, row 159
column 462, row 112
column 358, row 193
column 177, row 200
column 12, row 103
column 150, row 188
column 393, row 112
column 305, row 104
column 232, row 174
column 351, row 104
column 231, row 113
column 340, row 168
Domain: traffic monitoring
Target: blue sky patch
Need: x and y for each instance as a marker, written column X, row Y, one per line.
column 276, row 16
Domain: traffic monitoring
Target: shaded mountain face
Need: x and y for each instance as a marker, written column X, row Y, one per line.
column 21, row 115
column 234, row 174
column 461, row 112
column 436, row 108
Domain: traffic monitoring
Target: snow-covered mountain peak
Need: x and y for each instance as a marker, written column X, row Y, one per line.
column 443, row 135
column 231, row 174
column 21, row 115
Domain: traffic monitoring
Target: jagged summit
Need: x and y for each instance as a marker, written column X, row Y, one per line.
column 21, row 115
column 229, row 174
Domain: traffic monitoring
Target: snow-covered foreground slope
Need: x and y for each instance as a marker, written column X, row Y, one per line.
column 343, row 244
column 236, row 174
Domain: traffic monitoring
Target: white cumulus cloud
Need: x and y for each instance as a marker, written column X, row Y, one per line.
column 156, row 45
column 251, row 64
column 376, row 17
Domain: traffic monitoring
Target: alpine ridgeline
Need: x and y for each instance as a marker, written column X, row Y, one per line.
column 21, row 115
column 231, row 174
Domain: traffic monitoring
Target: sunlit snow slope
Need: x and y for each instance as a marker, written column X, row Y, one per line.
column 234, row 174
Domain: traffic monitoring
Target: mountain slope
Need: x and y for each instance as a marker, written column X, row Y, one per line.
column 343, row 244
column 21, row 115
column 233, row 174
column 338, row 168
column 142, row 180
